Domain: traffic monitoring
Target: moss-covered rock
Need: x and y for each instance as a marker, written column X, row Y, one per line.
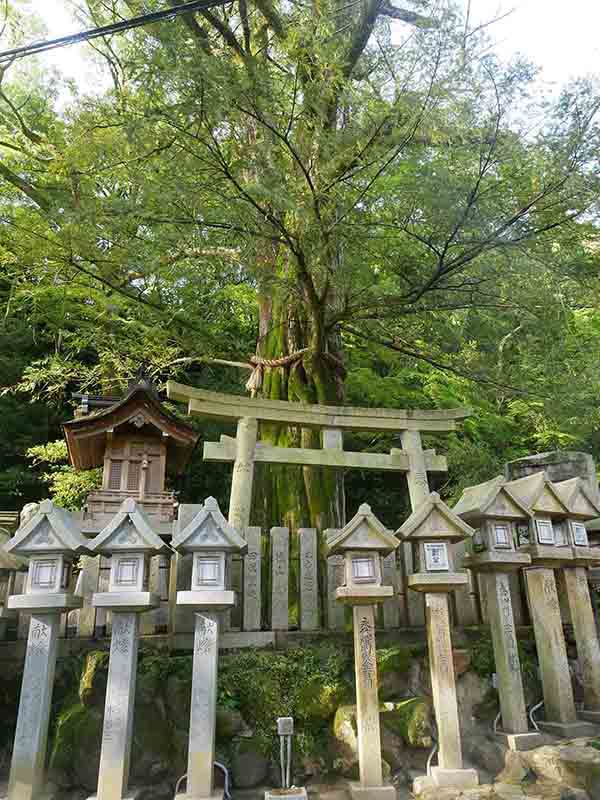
column 345, row 741
column 410, row 719
column 249, row 765
column 151, row 753
column 75, row 751
column 92, row 683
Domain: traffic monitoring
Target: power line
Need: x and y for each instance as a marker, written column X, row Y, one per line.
column 105, row 30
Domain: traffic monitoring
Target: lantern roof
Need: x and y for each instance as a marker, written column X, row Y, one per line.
column 140, row 408
column 129, row 530
column 363, row 532
column 203, row 527
column 539, row 494
column 7, row 560
column 433, row 519
column 491, row 499
column 50, row 530
column 579, row 498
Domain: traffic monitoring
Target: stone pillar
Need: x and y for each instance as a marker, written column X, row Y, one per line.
column 506, row 655
column 240, row 500
column 252, row 580
column 117, row 731
column 465, row 596
column 201, row 752
column 90, row 574
column 335, row 578
column 418, row 490
column 443, row 686
column 559, row 706
column 29, row 752
column 309, row 580
column 391, row 608
column 367, row 708
column 280, row 552
column 333, row 439
column 586, row 635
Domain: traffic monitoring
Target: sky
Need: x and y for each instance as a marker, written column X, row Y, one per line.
column 562, row 38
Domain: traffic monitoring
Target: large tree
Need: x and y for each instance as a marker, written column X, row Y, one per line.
column 286, row 165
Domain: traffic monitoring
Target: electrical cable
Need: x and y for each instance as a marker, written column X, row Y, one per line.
column 105, row 30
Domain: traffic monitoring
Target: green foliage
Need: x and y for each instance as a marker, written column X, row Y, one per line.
column 78, row 729
column 67, row 486
column 393, row 659
column 295, row 183
column 411, row 720
column 483, row 662
column 307, row 683
column 482, row 657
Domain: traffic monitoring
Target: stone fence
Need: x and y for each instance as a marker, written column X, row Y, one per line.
column 283, row 583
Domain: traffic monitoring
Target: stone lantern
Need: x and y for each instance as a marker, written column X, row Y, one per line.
column 545, row 536
column 50, row 539
column 495, row 512
column 129, row 540
column 9, row 566
column 583, row 506
column 205, row 533
column 546, row 540
column 431, row 529
column 362, row 543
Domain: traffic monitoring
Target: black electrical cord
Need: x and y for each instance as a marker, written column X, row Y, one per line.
column 105, row 30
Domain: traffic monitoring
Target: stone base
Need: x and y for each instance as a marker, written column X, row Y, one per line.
column 568, row 730
column 455, row 778
column 216, row 795
column 359, row 792
column 45, row 602
column 293, row 793
column 126, row 601
column 591, row 716
column 207, row 600
column 521, row 741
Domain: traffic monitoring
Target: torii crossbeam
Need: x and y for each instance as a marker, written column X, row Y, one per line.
column 245, row 450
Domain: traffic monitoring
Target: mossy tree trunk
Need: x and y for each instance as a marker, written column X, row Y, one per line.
column 296, row 496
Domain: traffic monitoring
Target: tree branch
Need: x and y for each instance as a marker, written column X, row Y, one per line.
column 24, row 186
column 403, row 14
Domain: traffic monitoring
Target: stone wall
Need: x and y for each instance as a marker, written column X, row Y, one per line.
column 315, row 684
column 559, row 465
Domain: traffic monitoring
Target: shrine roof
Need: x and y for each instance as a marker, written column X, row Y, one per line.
column 232, row 407
column 86, row 436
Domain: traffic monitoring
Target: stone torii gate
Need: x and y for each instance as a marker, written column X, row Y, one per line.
column 245, row 450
